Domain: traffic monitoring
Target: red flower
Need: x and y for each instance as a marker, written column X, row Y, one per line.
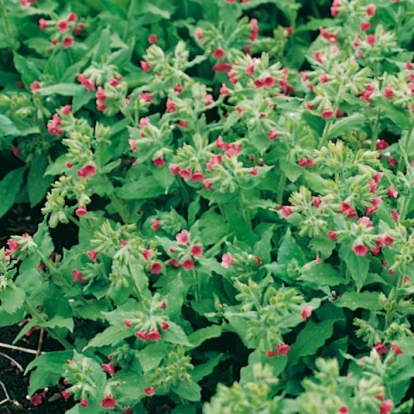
column 62, row 26
column 146, row 97
column 273, row 134
column 183, row 237
column 141, row 335
column 153, row 335
column 76, row 276
column 83, row 403
column 170, row 106
column 360, row 250
column 227, row 260
column 108, row 402
column 386, row 407
column 109, row 368
column 152, row 38
column 306, row 312
column 332, row 235
column 67, row 42
column 364, row 26
column 380, row 348
column 65, row 394
column 81, row 211
column 199, row 33
column 72, row 17
column 165, row 326
column 268, row 82
column 255, row 29
column 87, row 83
column 156, row 268
column 392, row 192
column 149, row 391
column 127, row 323
column 197, row 177
column 92, row 254
column 327, row 113
column 270, row 353
column 371, row 10
column 283, row 349
column 388, row 93
column 174, row 168
column 222, row 67
column 36, row 399
column 196, row 250
column 286, row 211
column 158, row 162
column 155, row 224
column 371, row 40
column 87, row 171
column 188, row 264
column 145, row 66
column 42, row 24
column 219, row 53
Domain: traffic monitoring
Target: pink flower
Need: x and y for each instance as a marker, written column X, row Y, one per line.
column 127, row 323
column 196, row 250
column 197, row 177
column 371, row 39
column 76, row 276
column 170, row 106
column 268, row 82
column 364, row 26
column 148, row 253
column 62, row 26
column 174, row 168
column 65, row 394
column 386, row 407
column 65, row 110
column 42, row 24
column 152, row 38
column 141, row 335
column 109, row 368
column 155, row 224
column 388, row 92
column 219, row 53
column 365, row 221
column 35, row 86
column 87, row 171
column 83, row 403
column 380, row 348
column 149, row 391
column 156, row 268
column 188, row 264
column 132, row 144
column 306, row 312
column 254, row 29
column 145, row 66
column 360, row 250
column 371, row 9
column 108, row 402
column 87, row 83
column 283, row 349
column 273, row 134
column 146, row 97
column 165, row 326
column 153, row 335
column 396, row 349
column 199, row 33
column 81, row 211
column 343, row 410
column 183, row 237
column 67, row 42
column 227, row 260
column 384, row 239
column 332, row 235
column 270, row 353
column 327, row 113
column 72, row 17
column 392, row 192
column 222, row 67
column 36, row 399
column 158, row 162
column 285, row 211
column 92, row 254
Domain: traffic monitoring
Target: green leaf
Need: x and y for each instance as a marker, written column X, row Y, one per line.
column 346, row 125
column 213, row 227
column 58, row 322
column 37, row 184
column 151, row 356
column 201, row 371
column 9, row 188
column 264, row 246
column 146, row 187
column 355, row 300
column 27, row 69
column 12, row 299
column 358, row 266
column 289, row 250
column 201, row 335
column 64, row 89
column 108, row 337
column 190, row 391
column 322, row 274
column 407, row 345
column 49, row 369
column 7, row 127
column 176, row 335
column 392, row 112
column 43, row 240
column 310, row 339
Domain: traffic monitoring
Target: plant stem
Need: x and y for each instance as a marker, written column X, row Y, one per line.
column 375, row 131
column 129, row 19
column 281, row 188
column 51, row 331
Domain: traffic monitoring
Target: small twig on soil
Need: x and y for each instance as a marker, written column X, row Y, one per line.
column 40, row 343
column 19, row 348
column 19, row 367
column 7, row 399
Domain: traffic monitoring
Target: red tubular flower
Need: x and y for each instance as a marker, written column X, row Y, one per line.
column 286, row 211
column 83, row 403
column 188, row 264
column 222, row 67
column 371, row 40
column 165, row 326
column 283, row 349
column 360, row 250
column 145, row 66
column 149, row 391
column 396, row 349
column 327, row 113
column 87, row 171
column 153, row 335
column 332, row 235
column 343, row 410
column 270, row 353
column 371, row 9
column 36, row 399
column 42, row 24
column 81, row 211
column 386, row 407
column 108, row 402
column 254, row 29
column 155, row 224
column 227, row 260
column 273, row 134
column 199, row 33
column 158, row 162
column 152, row 38
column 62, row 26
column 142, row 335
column 127, row 323
column 306, row 312
column 65, row 394
column 92, row 254
column 109, row 368
column 392, row 192
column 380, row 348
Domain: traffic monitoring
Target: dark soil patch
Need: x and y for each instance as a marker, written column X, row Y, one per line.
column 16, row 384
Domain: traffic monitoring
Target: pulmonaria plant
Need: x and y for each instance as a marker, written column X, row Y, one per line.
column 241, row 205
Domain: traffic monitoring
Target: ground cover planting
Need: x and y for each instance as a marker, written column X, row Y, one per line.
column 206, row 206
